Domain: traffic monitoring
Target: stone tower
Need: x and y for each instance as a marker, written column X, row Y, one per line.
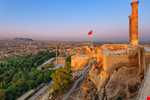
column 133, row 24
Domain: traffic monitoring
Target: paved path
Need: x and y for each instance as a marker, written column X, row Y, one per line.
column 39, row 93
column 26, row 95
column 45, row 63
column 56, row 67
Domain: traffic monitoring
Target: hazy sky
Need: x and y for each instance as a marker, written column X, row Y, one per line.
column 71, row 19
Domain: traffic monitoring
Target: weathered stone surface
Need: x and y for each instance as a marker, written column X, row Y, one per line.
column 78, row 62
column 123, row 83
column 89, row 91
column 98, row 76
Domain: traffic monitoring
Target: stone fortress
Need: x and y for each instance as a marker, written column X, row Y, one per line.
column 120, row 68
column 111, row 54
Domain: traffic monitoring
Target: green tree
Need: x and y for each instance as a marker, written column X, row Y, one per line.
column 62, row 77
column 11, row 92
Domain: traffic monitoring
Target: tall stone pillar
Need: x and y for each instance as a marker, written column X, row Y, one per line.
column 133, row 24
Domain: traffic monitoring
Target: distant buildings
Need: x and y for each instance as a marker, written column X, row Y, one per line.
column 23, row 39
column 9, row 48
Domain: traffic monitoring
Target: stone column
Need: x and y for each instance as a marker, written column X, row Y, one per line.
column 134, row 23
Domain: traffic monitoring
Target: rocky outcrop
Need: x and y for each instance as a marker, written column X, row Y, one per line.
column 122, row 84
column 99, row 77
column 89, row 91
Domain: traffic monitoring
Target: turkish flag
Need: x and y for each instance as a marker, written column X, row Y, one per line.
column 148, row 98
column 90, row 33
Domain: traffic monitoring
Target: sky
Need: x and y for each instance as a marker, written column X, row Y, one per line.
column 71, row 19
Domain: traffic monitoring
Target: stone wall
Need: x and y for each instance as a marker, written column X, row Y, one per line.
column 111, row 60
column 78, row 62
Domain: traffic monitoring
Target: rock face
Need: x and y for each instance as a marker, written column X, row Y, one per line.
column 89, row 91
column 122, row 84
column 98, row 76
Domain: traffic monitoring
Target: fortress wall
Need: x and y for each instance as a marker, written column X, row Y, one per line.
column 110, row 61
column 78, row 62
column 134, row 56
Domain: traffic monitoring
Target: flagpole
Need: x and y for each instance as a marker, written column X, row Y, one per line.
column 56, row 55
column 90, row 34
column 92, row 41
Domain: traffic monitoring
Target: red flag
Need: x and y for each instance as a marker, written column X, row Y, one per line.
column 90, row 33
